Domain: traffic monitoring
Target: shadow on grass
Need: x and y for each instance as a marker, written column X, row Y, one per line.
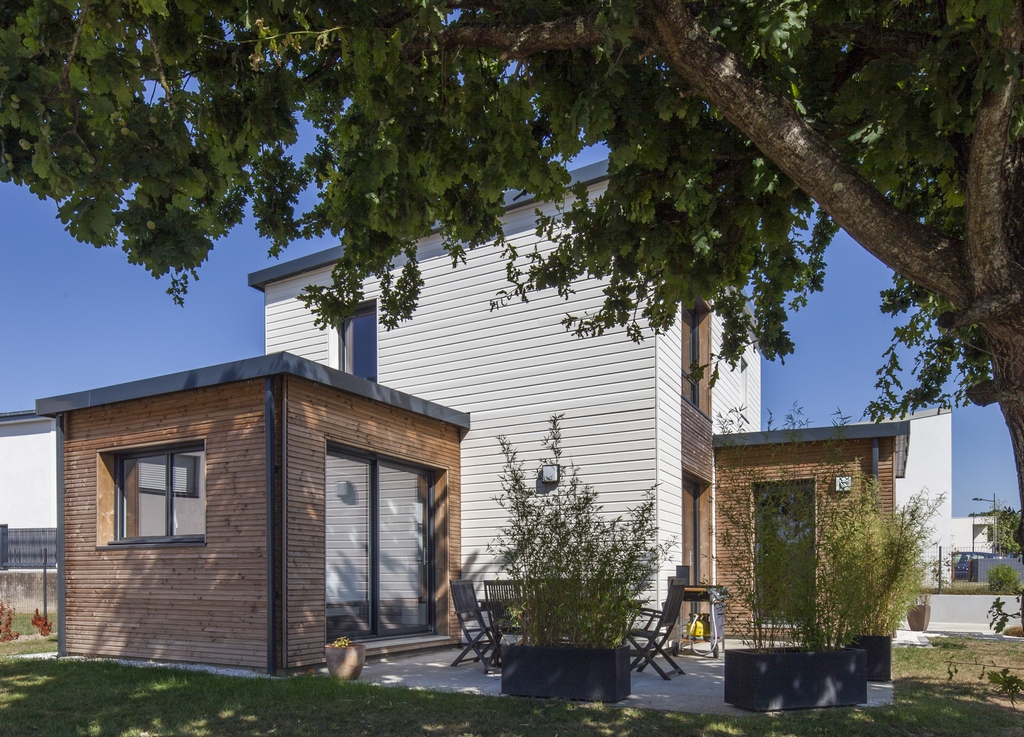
column 99, row 699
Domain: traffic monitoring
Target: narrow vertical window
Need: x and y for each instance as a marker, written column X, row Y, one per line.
column 691, row 355
column 359, row 343
column 744, row 390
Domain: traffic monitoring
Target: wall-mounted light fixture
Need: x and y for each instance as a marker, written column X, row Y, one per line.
column 844, row 483
column 549, row 474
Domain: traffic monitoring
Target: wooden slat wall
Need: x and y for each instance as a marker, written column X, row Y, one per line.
column 733, row 466
column 697, row 455
column 202, row 603
column 316, row 415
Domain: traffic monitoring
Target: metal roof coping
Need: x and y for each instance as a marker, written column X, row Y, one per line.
column 249, row 368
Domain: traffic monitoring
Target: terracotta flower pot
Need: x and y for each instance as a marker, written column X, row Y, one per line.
column 919, row 616
column 346, row 663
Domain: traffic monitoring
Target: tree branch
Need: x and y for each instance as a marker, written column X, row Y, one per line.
column 517, row 42
column 989, row 392
column 921, row 253
column 987, row 186
column 74, row 45
column 990, row 309
column 880, row 40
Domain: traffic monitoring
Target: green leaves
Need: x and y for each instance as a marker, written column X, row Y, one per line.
column 155, row 124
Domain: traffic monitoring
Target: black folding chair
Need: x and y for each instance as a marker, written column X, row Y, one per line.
column 502, row 597
column 471, row 620
column 649, row 638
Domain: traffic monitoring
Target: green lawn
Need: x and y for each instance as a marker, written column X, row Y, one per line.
column 93, row 698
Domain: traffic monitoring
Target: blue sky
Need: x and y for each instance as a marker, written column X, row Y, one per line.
column 73, row 317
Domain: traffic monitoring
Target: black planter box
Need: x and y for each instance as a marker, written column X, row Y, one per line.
column 586, row 674
column 795, row 680
column 879, row 650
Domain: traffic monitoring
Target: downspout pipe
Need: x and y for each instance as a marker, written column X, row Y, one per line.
column 62, row 630
column 268, row 408
column 874, row 458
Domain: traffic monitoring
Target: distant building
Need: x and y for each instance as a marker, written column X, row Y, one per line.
column 971, row 533
column 928, row 464
column 28, row 470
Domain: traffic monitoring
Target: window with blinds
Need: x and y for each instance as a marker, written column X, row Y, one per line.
column 378, row 547
column 160, row 494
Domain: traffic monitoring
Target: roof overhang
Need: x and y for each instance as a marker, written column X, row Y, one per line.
column 591, row 174
column 815, row 434
column 250, row 368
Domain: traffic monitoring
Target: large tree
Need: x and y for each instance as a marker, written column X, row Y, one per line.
column 732, row 126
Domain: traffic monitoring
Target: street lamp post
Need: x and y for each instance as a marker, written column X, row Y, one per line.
column 995, row 521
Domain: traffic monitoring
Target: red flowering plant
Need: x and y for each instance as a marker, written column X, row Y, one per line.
column 7, row 634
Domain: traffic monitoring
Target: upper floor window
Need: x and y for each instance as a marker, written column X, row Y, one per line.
column 359, row 342
column 692, row 325
column 161, row 493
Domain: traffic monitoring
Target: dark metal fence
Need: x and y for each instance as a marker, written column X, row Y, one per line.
column 952, row 571
column 29, row 547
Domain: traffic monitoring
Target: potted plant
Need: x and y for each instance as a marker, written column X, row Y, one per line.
column 789, row 543
column 579, row 573
column 345, row 658
column 892, row 552
column 920, row 614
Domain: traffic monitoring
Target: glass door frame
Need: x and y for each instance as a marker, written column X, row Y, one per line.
column 375, row 460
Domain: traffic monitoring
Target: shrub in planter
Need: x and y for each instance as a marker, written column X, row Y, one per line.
column 580, row 574
column 345, row 658
column 891, row 548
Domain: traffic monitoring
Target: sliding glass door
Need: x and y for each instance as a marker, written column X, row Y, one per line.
column 378, row 547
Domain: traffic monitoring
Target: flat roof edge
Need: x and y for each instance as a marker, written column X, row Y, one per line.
column 249, row 368
column 29, row 415
column 814, row 434
column 589, row 174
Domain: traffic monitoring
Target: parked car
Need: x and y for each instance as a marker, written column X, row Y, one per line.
column 962, row 567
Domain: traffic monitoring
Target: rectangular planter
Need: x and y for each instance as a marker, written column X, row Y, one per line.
column 879, row 650
column 795, row 680
column 586, row 674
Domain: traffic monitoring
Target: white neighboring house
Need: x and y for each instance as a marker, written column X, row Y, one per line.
column 28, row 470
column 971, row 533
column 928, row 464
column 633, row 421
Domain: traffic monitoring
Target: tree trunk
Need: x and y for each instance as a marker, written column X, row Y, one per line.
column 1008, row 373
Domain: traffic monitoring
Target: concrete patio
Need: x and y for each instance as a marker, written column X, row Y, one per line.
column 700, row 690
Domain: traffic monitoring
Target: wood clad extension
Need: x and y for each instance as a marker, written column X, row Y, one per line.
column 208, row 602
column 203, row 603
column 735, row 466
column 318, row 415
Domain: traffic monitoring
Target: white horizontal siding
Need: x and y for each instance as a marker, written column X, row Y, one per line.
column 512, row 368
column 727, row 398
column 669, row 372
column 289, row 325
